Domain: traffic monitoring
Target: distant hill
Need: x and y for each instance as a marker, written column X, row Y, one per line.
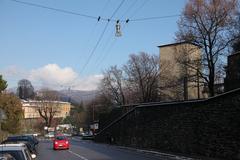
column 73, row 96
column 77, row 96
column 12, row 90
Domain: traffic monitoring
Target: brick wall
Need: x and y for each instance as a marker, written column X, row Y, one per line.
column 208, row 128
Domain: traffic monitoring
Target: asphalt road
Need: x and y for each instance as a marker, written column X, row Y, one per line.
column 87, row 150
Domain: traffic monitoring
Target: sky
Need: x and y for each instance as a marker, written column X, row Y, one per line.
column 60, row 50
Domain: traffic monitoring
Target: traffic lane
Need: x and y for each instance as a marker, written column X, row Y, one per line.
column 95, row 151
column 46, row 152
column 87, row 150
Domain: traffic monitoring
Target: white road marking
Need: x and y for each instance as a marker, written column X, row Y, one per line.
column 78, row 155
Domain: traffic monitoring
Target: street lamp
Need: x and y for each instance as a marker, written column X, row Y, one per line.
column 118, row 29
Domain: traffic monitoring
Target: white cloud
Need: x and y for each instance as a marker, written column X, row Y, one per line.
column 54, row 77
column 88, row 83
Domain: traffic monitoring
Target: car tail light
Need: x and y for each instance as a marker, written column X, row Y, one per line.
column 56, row 142
column 66, row 142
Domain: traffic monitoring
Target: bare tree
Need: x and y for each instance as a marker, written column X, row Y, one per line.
column 143, row 77
column 209, row 24
column 48, row 107
column 25, row 89
column 188, row 58
column 113, row 85
column 236, row 43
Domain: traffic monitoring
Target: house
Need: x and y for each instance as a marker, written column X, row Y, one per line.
column 34, row 122
column 31, row 108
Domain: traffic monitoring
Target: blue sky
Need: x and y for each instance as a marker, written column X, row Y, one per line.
column 50, row 48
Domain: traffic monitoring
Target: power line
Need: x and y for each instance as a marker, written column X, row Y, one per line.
column 101, row 36
column 54, row 9
column 117, row 9
column 114, row 40
column 105, row 6
column 95, row 47
column 129, row 8
column 154, row 18
column 93, row 29
column 109, row 49
column 98, row 18
column 102, row 57
column 139, row 8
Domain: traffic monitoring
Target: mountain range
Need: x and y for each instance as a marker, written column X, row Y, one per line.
column 73, row 96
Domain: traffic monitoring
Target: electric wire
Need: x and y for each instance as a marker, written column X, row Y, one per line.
column 94, row 28
column 105, row 6
column 129, row 8
column 138, row 9
column 94, row 17
column 98, row 18
column 54, row 9
column 74, row 81
column 154, row 18
column 95, row 47
column 123, row 27
column 112, row 33
column 109, row 49
column 101, row 57
column 101, row 36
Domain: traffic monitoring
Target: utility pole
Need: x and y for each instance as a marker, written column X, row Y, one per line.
column 93, row 119
column 185, row 87
column 198, row 87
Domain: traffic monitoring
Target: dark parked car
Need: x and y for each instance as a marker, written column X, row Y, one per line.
column 30, row 142
column 18, row 151
column 28, row 138
column 29, row 146
column 6, row 156
column 33, row 138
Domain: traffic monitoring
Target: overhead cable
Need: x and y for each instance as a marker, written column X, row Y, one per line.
column 101, row 36
column 95, row 47
column 98, row 18
column 54, row 9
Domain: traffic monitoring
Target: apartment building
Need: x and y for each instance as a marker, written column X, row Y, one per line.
column 31, row 108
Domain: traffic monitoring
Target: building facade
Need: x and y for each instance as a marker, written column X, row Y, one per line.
column 179, row 71
column 31, row 108
column 232, row 80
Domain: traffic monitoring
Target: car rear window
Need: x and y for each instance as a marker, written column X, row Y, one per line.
column 18, row 155
column 60, row 138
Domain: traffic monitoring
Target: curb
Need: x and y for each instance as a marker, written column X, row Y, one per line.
column 167, row 156
column 160, row 154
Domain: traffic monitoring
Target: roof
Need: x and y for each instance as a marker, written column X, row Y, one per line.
column 18, row 146
column 44, row 101
column 178, row 43
column 235, row 54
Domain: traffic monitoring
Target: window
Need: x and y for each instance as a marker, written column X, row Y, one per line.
column 18, row 155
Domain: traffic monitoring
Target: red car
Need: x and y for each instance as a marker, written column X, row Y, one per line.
column 60, row 142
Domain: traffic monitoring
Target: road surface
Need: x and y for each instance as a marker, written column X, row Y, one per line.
column 88, row 150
